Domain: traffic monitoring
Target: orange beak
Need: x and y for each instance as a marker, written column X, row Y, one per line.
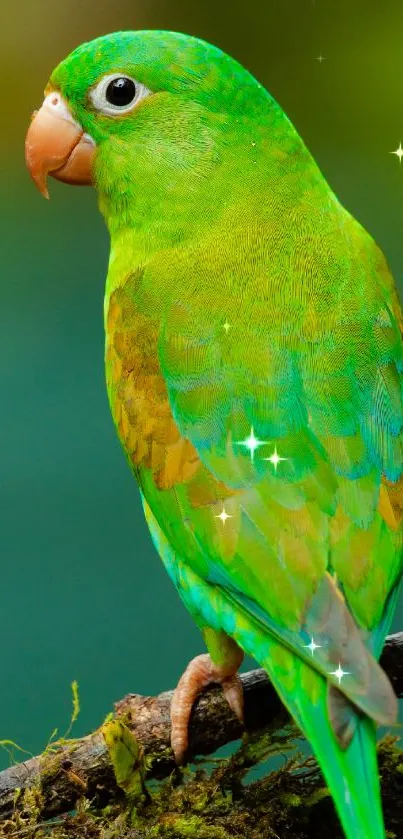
column 56, row 145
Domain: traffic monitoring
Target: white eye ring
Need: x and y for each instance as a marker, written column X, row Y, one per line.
column 98, row 95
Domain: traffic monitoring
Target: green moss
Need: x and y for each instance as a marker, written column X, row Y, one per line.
column 211, row 800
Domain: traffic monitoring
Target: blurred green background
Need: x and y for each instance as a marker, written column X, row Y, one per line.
column 83, row 594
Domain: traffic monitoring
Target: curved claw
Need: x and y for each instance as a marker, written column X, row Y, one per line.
column 200, row 673
column 233, row 692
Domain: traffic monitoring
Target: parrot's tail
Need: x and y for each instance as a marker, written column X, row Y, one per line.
column 351, row 774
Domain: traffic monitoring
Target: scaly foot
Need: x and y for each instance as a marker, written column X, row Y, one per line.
column 200, row 672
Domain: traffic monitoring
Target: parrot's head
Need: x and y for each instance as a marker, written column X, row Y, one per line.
column 138, row 110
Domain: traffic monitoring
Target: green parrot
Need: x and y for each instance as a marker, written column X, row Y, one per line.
column 254, row 371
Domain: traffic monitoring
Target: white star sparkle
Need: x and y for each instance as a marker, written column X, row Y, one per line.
column 223, row 516
column 252, row 443
column 320, row 58
column 226, row 326
column 398, row 152
column 312, row 646
column 275, row 458
column 339, row 673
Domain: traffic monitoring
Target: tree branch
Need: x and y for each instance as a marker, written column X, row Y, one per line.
column 83, row 767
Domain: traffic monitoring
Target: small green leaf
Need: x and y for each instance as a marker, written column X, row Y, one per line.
column 126, row 758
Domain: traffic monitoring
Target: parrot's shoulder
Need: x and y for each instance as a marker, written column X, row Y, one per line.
column 138, row 394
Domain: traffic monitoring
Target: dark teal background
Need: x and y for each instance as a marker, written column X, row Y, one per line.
column 83, row 595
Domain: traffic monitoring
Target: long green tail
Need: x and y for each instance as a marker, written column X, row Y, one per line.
column 352, row 775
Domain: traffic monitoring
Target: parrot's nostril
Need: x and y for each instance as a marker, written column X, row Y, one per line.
column 54, row 100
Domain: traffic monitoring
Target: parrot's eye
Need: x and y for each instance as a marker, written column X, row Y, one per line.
column 117, row 94
column 121, row 91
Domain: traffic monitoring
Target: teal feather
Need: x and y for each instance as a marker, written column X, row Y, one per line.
column 217, row 212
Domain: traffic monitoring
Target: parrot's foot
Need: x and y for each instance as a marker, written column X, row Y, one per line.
column 200, row 673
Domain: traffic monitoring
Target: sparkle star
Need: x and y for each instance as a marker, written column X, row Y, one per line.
column 252, row 443
column 223, row 516
column 320, row 58
column 275, row 458
column 312, row 646
column 339, row 673
column 226, row 326
column 398, row 152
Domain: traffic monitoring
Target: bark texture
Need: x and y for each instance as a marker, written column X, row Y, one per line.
column 107, row 776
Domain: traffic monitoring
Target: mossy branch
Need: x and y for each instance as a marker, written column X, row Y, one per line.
column 111, row 765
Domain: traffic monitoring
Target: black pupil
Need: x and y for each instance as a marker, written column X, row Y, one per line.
column 121, row 91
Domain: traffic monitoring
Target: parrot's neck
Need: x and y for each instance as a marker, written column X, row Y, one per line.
column 196, row 187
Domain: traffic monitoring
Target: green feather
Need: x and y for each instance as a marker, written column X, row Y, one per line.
column 242, row 297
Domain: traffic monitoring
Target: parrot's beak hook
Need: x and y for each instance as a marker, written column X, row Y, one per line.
column 57, row 145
